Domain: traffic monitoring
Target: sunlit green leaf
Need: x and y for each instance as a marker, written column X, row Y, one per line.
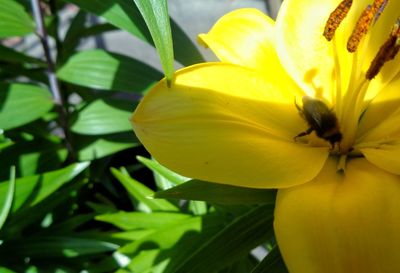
column 108, row 71
column 141, row 220
column 90, row 148
column 155, row 14
column 5, row 205
column 218, row 193
column 14, row 21
column 22, row 103
column 31, row 190
column 104, row 116
column 142, row 193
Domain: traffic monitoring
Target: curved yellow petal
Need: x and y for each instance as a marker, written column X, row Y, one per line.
column 341, row 223
column 385, row 156
column 381, row 121
column 226, row 124
column 244, row 37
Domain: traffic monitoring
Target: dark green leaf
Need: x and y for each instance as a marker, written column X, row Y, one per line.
column 5, row 206
column 234, row 242
column 22, row 103
column 155, row 14
column 142, row 193
column 90, row 148
column 104, row 116
column 218, row 193
column 32, row 189
column 13, row 56
column 272, row 263
column 125, row 15
column 140, row 220
column 49, row 247
column 14, row 21
column 108, row 71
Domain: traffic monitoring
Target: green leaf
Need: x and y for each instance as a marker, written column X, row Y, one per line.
column 125, row 15
column 142, row 193
column 159, row 169
column 13, row 56
column 104, row 116
column 90, row 148
column 108, row 71
column 232, row 243
column 218, row 193
column 14, row 21
column 22, row 103
column 8, row 198
column 155, row 14
column 272, row 263
column 140, row 220
column 51, row 247
column 31, row 190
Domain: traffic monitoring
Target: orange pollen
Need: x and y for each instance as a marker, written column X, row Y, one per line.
column 335, row 18
column 387, row 51
column 364, row 22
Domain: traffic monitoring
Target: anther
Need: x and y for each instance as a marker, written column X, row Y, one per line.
column 335, row 18
column 370, row 13
column 387, row 51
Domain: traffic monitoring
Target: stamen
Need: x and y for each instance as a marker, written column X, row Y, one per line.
column 387, row 52
column 361, row 29
column 369, row 14
column 335, row 18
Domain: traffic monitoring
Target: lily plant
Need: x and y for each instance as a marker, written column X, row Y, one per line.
column 258, row 118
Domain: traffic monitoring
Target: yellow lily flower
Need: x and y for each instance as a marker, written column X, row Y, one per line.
column 234, row 122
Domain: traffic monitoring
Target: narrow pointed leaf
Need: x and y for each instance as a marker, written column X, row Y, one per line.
column 108, row 71
column 13, row 56
column 125, row 15
column 31, row 190
column 5, row 205
column 155, row 14
column 218, row 193
column 14, row 20
column 272, row 263
column 142, row 193
column 22, row 103
column 232, row 243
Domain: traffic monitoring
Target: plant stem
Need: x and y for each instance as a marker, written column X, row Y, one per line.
column 51, row 74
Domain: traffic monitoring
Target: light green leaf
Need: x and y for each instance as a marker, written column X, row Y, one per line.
column 14, row 21
column 140, row 220
column 5, row 207
column 170, row 176
column 125, row 15
column 31, row 190
column 155, row 14
column 232, row 243
column 218, row 193
column 108, row 71
column 22, row 103
column 142, row 193
column 90, row 148
column 104, row 116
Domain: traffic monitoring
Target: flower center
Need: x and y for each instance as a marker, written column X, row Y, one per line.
column 350, row 106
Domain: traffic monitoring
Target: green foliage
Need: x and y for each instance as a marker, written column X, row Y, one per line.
column 78, row 191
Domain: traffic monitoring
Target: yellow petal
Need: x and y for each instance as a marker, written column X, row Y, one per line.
column 381, row 120
column 385, row 156
column 244, row 37
column 341, row 223
column 226, row 124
